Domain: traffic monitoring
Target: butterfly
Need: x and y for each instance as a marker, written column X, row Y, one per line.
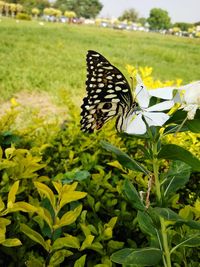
column 108, row 95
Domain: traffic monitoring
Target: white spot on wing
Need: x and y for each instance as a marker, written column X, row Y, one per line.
column 110, row 96
column 118, row 88
column 115, row 100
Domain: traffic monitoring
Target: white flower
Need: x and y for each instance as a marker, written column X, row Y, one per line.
column 137, row 122
column 190, row 98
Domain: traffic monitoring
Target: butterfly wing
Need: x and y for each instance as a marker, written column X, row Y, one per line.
column 108, row 93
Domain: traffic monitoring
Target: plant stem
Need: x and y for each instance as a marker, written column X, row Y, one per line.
column 156, row 171
column 166, row 256
column 165, row 242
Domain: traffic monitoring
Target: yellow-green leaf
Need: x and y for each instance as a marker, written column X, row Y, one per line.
column 35, row 236
column 81, row 261
column 22, row 206
column 11, row 242
column 87, row 242
column 45, row 215
column 58, row 187
column 12, row 194
column 1, row 153
column 112, row 222
column 69, row 217
column 70, row 187
column 2, row 235
column 71, row 196
column 4, row 222
column 68, row 241
column 45, row 190
column 2, row 205
column 108, row 233
column 59, row 256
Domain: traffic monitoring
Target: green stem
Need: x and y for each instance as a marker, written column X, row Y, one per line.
column 165, row 242
column 156, row 172
column 166, row 256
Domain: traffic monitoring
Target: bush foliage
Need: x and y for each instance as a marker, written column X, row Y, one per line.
column 67, row 201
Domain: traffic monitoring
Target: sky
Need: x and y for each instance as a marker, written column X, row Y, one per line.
column 178, row 10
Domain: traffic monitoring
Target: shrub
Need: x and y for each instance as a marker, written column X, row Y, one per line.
column 23, row 16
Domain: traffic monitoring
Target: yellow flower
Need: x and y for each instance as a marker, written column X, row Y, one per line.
column 13, row 102
column 132, row 70
column 145, row 71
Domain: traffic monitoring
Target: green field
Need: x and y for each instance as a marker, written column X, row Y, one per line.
column 52, row 57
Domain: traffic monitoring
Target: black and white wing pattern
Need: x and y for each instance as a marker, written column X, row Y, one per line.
column 108, row 94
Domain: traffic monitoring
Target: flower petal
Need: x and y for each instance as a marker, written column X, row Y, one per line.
column 163, row 93
column 142, row 94
column 192, row 93
column 191, row 109
column 155, row 118
column 136, row 125
column 161, row 106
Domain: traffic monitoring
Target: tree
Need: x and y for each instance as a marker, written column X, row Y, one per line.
column 130, row 15
column 82, row 8
column 2, row 4
column 142, row 21
column 13, row 9
column 183, row 25
column 70, row 15
column 28, row 5
column 35, row 11
column 159, row 19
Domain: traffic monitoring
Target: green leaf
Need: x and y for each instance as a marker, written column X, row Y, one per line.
column 35, row 236
column 11, row 242
column 22, row 206
column 69, row 217
column 45, row 190
column 193, row 125
column 2, row 205
column 59, row 256
column 178, row 117
column 177, row 176
column 124, row 159
column 80, row 262
column 70, row 196
column 168, row 214
column 146, row 224
column 143, row 257
column 68, row 241
column 112, row 222
column 81, row 175
column 193, row 224
column 97, row 246
column 131, row 193
column 115, row 244
column 191, row 241
column 12, row 194
column 175, row 152
column 87, row 242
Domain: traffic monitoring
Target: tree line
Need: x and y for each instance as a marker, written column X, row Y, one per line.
column 158, row 19
column 80, row 8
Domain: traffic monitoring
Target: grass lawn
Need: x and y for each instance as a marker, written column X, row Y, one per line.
column 52, row 57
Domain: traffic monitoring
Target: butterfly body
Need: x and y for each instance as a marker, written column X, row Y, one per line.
column 108, row 95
